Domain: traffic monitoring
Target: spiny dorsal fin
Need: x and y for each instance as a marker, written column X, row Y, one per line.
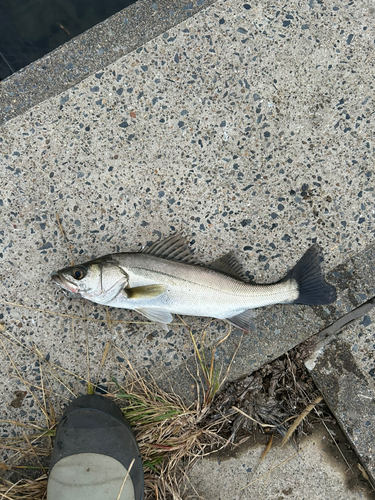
column 229, row 264
column 175, row 247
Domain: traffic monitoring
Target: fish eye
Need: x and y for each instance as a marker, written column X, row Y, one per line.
column 78, row 273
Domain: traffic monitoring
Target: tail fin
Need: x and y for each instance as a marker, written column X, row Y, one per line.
column 308, row 272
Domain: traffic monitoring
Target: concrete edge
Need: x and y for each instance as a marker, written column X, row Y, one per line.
column 354, row 413
column 90, row 52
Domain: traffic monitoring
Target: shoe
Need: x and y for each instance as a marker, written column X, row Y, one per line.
column 94, row 447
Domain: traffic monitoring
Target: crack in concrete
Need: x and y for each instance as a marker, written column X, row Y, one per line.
column 328, row 334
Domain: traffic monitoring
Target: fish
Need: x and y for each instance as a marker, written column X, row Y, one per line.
column 165, row 278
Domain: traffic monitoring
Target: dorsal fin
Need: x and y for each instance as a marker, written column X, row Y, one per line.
column 229, row 264
column 175, row 247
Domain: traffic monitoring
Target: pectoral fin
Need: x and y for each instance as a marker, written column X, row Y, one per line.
column 161, row 316
column 145, row 292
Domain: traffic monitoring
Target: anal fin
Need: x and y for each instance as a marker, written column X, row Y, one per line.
column 243, row 321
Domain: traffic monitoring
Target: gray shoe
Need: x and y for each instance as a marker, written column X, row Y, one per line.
column 94, row 447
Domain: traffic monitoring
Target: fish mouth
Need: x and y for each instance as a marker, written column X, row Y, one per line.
column 63, row 283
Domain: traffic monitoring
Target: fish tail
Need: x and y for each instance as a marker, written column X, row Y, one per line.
column 309, row 275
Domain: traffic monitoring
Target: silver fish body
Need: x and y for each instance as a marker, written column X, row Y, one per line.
column 165, row 279
column 194, row 290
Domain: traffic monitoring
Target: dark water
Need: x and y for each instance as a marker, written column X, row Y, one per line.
column 29, row 29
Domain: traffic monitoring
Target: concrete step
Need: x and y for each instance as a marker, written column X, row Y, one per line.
column 344, row 371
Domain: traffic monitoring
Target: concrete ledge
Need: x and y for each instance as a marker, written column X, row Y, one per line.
column 91, row 51
column 344, row 371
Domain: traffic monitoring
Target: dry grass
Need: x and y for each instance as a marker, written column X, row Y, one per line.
column 170, row 434
column 24, row 489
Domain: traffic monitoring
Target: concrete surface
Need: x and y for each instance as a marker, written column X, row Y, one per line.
column 191, row 133
column 317, row 471
column 248, row 127
column 344, row 371
column 90, row 52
